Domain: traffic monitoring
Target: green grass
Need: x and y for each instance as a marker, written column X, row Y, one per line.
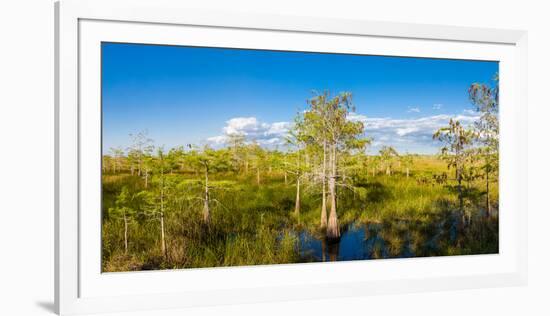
column 253, row 224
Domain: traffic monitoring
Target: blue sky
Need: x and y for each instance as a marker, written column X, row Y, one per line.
column 183, row 95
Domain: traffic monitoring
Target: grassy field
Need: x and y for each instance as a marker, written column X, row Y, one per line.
column 254, row 223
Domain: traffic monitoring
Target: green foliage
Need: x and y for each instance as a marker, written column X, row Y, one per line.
column 194, row 207
column 209, row 160
column 251, row 224
column 388, row 156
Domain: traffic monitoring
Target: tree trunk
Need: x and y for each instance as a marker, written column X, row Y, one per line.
column 388, row 171
column 487, row 194
column 206, row 209
column 146, row 178
column 125, row 234
column 324, row 201
column 407, row 172
column 162, row 234
column 286, row 180
column 333, row 231
column 258, row 176
column 162, row 237
column 297, row 206
column 459, row 180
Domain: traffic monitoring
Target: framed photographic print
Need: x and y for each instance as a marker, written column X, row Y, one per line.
column 210, row 157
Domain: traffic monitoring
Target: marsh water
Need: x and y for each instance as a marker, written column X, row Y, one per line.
column 398, row 239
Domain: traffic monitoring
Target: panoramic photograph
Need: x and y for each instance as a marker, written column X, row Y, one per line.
column 217, row 157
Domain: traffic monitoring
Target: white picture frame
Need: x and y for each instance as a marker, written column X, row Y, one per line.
column 80, row 287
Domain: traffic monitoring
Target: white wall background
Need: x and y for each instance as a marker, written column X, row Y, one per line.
column 26, row 157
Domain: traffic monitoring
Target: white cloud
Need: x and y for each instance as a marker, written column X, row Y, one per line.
column 412, row 135
column 278, row 128
column 269, row 134
column 437, row 106
column 354, row 117
column 217, row 140
column 406, row 130
column 413, row 110
column 406, row 135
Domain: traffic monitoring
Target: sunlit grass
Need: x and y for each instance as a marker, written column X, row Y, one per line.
column 255, row 224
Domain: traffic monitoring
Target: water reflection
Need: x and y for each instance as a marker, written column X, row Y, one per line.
column 396, row 239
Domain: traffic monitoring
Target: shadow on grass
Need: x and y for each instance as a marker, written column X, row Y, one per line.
column 376, row 191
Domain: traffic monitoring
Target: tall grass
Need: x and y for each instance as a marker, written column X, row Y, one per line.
column 254, row 224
